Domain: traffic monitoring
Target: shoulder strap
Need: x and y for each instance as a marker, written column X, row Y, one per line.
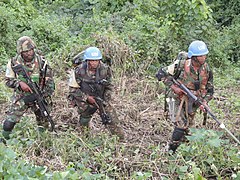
column 182, row 57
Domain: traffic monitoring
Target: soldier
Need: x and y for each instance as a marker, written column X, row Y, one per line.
column 90, row 82
column 196, row 75
column 40, row 72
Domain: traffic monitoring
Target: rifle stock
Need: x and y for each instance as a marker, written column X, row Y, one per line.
column 38, row 94
column 196, row 99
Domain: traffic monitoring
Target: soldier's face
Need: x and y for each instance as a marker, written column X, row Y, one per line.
column 28, row 55
column 201, row 59
column 93, row 64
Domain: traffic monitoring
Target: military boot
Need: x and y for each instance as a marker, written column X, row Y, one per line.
column 84, row 121
column 177, row 137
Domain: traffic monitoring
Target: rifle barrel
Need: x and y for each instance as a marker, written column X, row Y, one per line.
column 196, row 99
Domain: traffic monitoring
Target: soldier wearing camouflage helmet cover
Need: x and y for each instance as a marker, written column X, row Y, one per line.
column 40, row 72
column 83, row 85
column 195, row 73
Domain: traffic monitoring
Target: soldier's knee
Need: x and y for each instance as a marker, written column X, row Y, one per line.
column 8, row 125
column 88, row 111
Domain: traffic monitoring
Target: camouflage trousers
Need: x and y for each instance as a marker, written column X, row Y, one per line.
column 16, row 111
column 182, row 112
column 87, row 110
column 182, row 115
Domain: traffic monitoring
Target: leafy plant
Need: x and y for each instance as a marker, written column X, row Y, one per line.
column 207, row 155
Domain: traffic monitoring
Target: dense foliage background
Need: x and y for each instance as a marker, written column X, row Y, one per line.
column 154, row 31
column 139, row 37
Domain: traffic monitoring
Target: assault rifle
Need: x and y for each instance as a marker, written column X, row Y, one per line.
column 197, row 100
column 100, row 102
column 36, row 93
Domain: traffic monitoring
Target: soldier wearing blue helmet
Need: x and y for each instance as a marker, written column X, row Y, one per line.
column 86, row 87
column 194, row 72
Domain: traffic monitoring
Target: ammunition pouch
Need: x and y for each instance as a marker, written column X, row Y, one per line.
column 92, row 88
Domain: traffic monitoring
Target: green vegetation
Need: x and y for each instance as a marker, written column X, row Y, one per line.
column 139, row 37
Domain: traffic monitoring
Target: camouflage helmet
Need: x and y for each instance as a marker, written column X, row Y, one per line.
column 25, row 43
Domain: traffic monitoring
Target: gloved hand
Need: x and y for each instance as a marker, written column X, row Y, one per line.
column 160, row 74
column 91, row 100
column 25, row 87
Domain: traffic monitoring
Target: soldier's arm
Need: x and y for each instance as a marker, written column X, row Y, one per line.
column 209, row 87
column 49, row 81
column 75, row 94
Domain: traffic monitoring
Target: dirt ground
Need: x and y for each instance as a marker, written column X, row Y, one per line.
column 139, row 109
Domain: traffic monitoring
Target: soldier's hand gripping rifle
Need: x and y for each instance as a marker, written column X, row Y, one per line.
column 37, row 93
column 106, row 119
column 100, row 102
column 197, row 100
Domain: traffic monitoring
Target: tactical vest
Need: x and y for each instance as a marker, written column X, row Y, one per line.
column 33, row 68
column 195, row 81
column 90, row 84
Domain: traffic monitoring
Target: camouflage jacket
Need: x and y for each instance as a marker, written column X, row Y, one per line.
column 199, row 82
column 39, row 71
column 82, row 83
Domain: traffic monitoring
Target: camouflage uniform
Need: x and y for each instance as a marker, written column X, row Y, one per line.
column 82, row 84
column 189, row 77
column 199, row 82
column 21, row 101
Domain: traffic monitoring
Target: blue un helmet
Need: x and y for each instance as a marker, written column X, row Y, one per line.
column 92, row 53
column 197, row 48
